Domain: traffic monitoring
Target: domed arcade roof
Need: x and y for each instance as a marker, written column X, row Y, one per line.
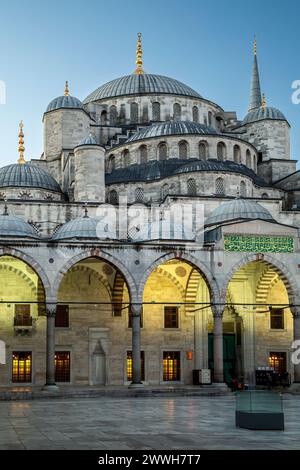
column 84, row 227
column 145, row 83
column 11, row 226
column 238, row 209
column 27, row 175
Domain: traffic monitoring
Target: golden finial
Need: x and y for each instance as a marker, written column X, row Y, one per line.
column 255, row 45
column 139, row 54
column 21, row 159
column 67, row 88
column 263, row 101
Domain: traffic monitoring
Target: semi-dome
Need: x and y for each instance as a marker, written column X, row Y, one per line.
column 172, row 128
column 262, row 113
column 238, row 209
column 145, row 83
column 162, row 230
column 27, row 175
column 12, row 226
column 84, row 227
column 64, row 102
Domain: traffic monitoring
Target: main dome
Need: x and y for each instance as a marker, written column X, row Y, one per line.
column 141, row 84
column 27, row 175
column 172, row 128
column 238, row 209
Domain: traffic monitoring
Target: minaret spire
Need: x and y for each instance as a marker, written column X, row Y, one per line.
column 21, row 159
column 139, row 56
column 255, row 94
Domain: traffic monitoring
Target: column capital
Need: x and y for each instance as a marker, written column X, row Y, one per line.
column 217, row 311
column 136, row 310
column 50, row 310
column 295, row 311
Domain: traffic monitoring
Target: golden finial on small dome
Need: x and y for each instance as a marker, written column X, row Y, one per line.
column 21, row 159
column 255, row 45
column 67, row 88
column 263, row 101
column 139, row 55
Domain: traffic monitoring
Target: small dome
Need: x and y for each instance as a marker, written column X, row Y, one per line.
column 27, row 175
column 84, row 227
column 261, row 113
column 89, row 140
column 64, row 102
column 172, row 128
column 238, row 209
column 140, row 85
column 162, row 230
column 11, row 226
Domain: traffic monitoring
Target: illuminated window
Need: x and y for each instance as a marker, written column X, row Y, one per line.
column 277, row 318
column 171, row 366
column 22, row 315
column 21, row 366
column 129, row 365
column 62, row 366
column 130, row 319
column 62, row 316
column 277, row 360
column 171, row 317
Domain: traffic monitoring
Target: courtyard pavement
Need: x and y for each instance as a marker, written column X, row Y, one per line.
column 139, row 423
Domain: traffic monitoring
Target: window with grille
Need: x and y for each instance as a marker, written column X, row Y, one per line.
column 254, row 163
column 220, row 187
column 162, row 151
column 277, row 360
column 243, row 189
column 192, row 187
column 62, row 316
column 177, row 112
column 221, row 151
column 164, row 191
column 237, row 154
column 171, row 366
column 134, row 112
column 111, row 163
column 113, row 197
column 209, row 118
column 143, row 154
column 129, row 366
column 171, row 317
column 21, row 366
column 103, row 117
column 139, row 195
column 155, row 111
column 277, row 318
column 130, row 319
column 126, row 158
column 202, row 150
column 113, row 115
column 195, row 114
column 183, row 149
column 248, row 158
column 62, row 366
column 22, row 315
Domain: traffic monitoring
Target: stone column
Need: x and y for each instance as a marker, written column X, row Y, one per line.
column 218, row 345
column 50, row 348
column 296, row 314
column 136, row 311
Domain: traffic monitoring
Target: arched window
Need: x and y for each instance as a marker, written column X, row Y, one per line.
column 134, row 112
column 195, row 114
column 183, row 149
column 243, row 189
column 113, row 197
column 113, row 115
column 237, row 154
column 205, row 120
column 126, row 158
column 111, row 163
column 209, row 118
column 103, row 117
column 139, row 195
column 164, row 191
column 221, row 151
column 122, row 114
column 156, row 111
column 177, row 112
column 162, row 151
column 254, row 163
column 248, row 158
column 191, row 187
column 220, row 187
column 203, row 150
column 265, row 196
column 143, row 154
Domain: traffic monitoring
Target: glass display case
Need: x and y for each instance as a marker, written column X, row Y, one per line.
column 259, row 409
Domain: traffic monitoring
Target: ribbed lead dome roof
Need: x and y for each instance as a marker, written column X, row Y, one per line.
column 261, row 113
column 84, row 227
column 172, row 128
column 141, row 84
column 64, row 102
column 238, row 209
column 12, row 226
column 27, row 175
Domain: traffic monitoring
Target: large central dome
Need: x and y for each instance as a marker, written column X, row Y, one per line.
column 141, row 84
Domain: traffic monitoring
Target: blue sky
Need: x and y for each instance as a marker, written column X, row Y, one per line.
column 207, row 45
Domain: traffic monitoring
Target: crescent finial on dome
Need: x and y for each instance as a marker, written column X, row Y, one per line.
column 139, row 56
column 21, row 159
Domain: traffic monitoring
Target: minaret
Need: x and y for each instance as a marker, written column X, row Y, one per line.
column 21, row 159
column 139, row 56
column 255, row 94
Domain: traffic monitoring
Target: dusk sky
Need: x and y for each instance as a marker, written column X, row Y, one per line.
column 207, row 45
